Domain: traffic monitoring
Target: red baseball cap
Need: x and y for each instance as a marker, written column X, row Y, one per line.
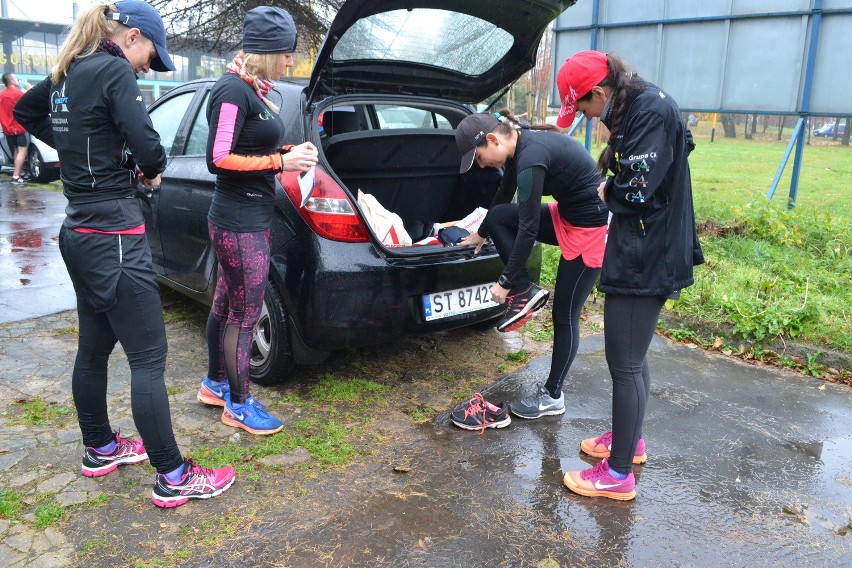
column 576, row 77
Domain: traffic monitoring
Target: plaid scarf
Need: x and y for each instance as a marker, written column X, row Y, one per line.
column 108, row 46
column 260, row 85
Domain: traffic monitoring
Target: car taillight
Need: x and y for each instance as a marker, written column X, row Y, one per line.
column 329, row 211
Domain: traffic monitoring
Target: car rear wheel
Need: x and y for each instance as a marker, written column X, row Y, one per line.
column 36, row 169
column 271, row 353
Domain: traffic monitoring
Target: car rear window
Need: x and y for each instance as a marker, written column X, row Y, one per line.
column 442, row 38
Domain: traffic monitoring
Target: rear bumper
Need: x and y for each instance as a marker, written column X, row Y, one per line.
column 351, row 295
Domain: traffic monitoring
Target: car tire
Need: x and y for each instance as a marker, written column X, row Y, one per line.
column 271, row 350
column 36, row 169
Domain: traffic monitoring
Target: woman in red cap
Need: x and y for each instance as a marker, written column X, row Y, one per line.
column 650, row 251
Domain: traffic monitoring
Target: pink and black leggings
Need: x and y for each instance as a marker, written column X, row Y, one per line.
column 237, row 304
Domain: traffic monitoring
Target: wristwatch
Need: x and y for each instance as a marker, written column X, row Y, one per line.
column 504, row 282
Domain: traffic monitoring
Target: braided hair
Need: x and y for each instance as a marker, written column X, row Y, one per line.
column 508, row 123
column 507, row 114
column 626, row 86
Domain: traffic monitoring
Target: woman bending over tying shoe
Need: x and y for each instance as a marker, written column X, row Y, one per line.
column 538, row 163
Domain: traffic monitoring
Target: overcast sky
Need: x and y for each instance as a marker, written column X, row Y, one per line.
column 57, row 11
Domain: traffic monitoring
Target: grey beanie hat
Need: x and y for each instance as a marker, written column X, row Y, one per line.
column 268, row 29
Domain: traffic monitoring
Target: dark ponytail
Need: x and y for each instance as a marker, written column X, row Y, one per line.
column 505, row 113
column 625, row 85
column 509, row 122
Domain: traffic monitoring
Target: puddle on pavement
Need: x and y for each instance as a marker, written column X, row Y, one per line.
column 33, row 279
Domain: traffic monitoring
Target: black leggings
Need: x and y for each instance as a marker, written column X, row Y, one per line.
column 136, row 321
column 629, row 326
column 501, row 223
column 574, row 283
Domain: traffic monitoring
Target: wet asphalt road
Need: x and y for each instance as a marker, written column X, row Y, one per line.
column 748, row 466
column 33, row 279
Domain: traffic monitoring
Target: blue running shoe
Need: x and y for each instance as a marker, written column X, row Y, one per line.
column 251, row 417
column 212, row 392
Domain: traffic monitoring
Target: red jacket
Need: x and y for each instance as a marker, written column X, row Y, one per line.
column 8, row 99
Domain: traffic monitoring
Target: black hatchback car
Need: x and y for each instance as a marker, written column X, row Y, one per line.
column 390, row 84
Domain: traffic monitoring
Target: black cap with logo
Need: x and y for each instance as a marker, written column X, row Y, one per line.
column 470, row 133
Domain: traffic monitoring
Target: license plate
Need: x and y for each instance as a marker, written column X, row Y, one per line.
column 439, row 305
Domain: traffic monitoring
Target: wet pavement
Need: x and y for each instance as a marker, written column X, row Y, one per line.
column 33, row 279
column 748, row 465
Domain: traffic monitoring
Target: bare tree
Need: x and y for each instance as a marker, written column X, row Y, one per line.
column 729, row 124
column 217, row 25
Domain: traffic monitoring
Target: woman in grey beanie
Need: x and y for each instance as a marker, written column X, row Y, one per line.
column 244, row 151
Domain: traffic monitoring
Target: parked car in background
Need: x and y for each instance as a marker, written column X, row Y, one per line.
column 827, row 129
column 387, row 91
column 42, row 163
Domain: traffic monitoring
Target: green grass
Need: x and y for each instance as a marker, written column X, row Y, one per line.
column 331, row 425
column 65, row 331
column 518, row 356
column 771, row 272
column 333, row 389
column 48, row 512
column 11, row 504
column 36, row 412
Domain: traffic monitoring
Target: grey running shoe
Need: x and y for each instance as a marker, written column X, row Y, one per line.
column 538, row 405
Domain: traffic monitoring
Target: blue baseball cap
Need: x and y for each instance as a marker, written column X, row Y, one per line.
column 141, row 15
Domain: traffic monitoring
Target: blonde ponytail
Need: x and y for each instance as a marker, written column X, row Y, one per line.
column 84, row 38
column 260, row 67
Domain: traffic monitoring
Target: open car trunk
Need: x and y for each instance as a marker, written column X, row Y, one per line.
column 413, row 172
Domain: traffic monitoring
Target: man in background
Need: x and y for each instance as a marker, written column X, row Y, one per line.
column 16, row 135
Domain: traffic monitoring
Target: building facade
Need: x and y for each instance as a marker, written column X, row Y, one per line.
column 29, row 50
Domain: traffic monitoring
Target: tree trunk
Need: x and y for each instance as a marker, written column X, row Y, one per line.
column 748, row 127
column 845, row 141
column 729, row 125
column 781, row 126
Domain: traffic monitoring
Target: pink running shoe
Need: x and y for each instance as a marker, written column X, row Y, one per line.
column 601, row 446
column 597, row 482
column 96, row 464
column 197, row 483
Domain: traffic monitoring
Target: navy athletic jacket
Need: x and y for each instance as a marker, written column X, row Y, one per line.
column 97, row 121
column 652, row 243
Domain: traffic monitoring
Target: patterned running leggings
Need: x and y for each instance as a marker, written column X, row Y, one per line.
column 243, row 271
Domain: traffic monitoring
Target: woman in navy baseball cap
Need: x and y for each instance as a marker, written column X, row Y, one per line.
column 537, row 164
column 91, row 110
